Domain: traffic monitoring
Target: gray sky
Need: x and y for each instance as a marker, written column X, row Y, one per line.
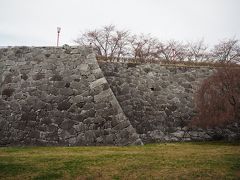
column 34, row 22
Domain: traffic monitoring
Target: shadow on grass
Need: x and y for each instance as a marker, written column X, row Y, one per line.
column 14, row 169
column 48, row 176
column 217, row 143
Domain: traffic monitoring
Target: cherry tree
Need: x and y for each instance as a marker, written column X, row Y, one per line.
column 106, row 41
column 197, row 51
column 227, row 51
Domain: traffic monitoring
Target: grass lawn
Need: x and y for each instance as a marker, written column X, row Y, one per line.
column 155, row 161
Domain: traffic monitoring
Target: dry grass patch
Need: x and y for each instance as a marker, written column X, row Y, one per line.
column 155, row 161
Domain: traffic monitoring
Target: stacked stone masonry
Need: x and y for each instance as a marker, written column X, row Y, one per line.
column 58, row 96
column 158, row 100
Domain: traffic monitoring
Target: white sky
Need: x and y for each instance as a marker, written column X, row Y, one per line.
column 34, row 22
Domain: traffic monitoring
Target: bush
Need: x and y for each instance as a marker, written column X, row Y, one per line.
column 218, row 99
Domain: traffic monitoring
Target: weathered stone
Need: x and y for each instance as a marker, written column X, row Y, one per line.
column 83, row 67
column 80, row 127
column 99, row 140
column 178, row 134
column 98, row 82
column 65, row 105
column 67, row 124
column 61, row 87
column 103, row 96
column 56, row 77
column 66, row 91
column 90, row 137
column 59, row 84
column 110, row 139
column 155, row 88
column 122, row 125
column 72, row 141
column 7, row 92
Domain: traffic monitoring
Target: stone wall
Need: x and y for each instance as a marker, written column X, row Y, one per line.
column 158, row 100
column 58, row 96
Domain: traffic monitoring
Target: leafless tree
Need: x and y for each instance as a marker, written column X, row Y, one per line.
column 218, row 98
column 172, row 51
column 120, row 44
column 197, row 51
column 107, row 41
column 111, row 43
column 143, row 47
column 227, row 51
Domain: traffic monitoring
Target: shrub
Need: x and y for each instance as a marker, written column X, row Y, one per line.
column 218, row 99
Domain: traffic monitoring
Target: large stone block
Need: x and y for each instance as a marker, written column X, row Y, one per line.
column 97, row 83
column 104, row 96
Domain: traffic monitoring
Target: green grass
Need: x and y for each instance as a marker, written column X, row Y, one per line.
column 154, row 161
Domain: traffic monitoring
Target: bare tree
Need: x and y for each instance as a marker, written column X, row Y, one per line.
column 227, row 51
column 143, row 47
column 180, row 53
column 218, row 98
column 172, row 50
column 107, row 41
column 197, row 51
column 111, row 43
column 164, row 51
column 120, row 44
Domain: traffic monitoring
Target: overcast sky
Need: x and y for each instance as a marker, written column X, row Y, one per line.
column 34, row 22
